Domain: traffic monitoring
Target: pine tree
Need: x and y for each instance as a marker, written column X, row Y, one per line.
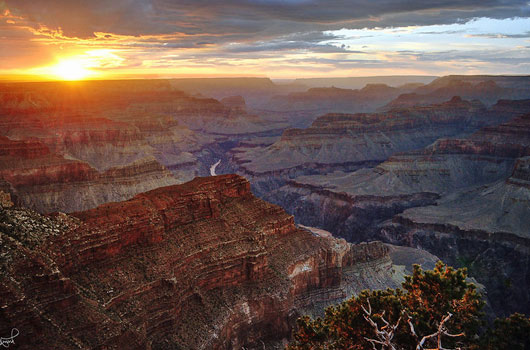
column 432, row 306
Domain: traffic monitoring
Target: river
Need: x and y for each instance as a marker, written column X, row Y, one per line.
column 212, row 168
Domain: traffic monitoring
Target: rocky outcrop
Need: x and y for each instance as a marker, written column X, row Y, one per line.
column 98, row 141
column 321, row 201
column 203, row 265
column 5, row 200
column 484, row 229
column 235, row 102
column 487, row 89
column 464, row 200
column 358, row 138
column 47, row 182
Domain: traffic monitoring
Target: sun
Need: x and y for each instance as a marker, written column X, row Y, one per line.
column 71, row 69
column 92, row 64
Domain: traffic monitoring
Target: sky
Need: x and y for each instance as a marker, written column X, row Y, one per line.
column 77, row 39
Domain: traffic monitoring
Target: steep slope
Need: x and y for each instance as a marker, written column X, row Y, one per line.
column 464, row 200
column 47, row 182
column 487, row 89
column 486, row 229
column 369, row 196
column 138, row 135
column 203, row 265
column 346, row 141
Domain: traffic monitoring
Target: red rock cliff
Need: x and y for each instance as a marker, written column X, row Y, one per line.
column 203, row 265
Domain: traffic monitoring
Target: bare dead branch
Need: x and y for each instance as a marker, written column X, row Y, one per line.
column 442, row 330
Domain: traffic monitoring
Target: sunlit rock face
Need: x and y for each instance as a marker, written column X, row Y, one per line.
column 73, row 146
column 203, row 265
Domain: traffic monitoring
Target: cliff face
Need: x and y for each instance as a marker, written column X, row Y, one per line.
column 72, row 146
column 203, row 265
column 465, row 200
column 487, row 89
column 336, row 139
column 484, row 229
column 46, row 181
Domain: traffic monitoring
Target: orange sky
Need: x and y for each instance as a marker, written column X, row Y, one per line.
column 74, row 39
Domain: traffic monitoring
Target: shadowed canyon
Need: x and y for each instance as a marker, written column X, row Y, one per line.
column 212, row 213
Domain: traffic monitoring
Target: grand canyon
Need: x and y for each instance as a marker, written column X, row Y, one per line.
column 206, row 175
column 115, row 233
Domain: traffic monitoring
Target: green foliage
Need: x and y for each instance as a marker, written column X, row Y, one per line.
column 344, row 326
column 426, row 296
column 509, row 333
column 431, row 295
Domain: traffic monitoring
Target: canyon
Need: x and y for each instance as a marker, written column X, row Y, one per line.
column 94, row 142
column 465, row 200
column 201, row 265
column 114, row 234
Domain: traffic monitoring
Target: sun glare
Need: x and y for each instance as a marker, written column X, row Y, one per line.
column 88, row 65
column 71, row 69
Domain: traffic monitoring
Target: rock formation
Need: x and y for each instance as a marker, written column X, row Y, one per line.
column 465, row 200
column 72, row 146
column 46, row 181
column 360, row 82
column 487, row 89
column 300, row 108
column 202, row 265
column 335, row 100
column 342, row 140
column 255, row 91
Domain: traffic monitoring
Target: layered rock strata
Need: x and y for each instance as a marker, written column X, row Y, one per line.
column 47, row 182
column 464, row 200
column 203, row 265
column 97, row 141
column 336, row 139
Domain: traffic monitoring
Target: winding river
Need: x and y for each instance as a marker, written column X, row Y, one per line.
column 212, row 168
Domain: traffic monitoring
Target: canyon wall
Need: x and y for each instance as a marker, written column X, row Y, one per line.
column 93, row 142
column 202, row 265
column 465, row 200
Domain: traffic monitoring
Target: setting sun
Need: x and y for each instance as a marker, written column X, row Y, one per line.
column 71, row 69
column 92, row 64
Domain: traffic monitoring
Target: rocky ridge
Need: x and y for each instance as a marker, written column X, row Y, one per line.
column 465, row 200
column 203, row 265
column 326, row 100
column 487, row 89
column 336, row 139
column 97, row 141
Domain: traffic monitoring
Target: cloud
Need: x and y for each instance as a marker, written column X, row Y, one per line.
column 281, row 34
column 250, row 19
column 500, row 35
